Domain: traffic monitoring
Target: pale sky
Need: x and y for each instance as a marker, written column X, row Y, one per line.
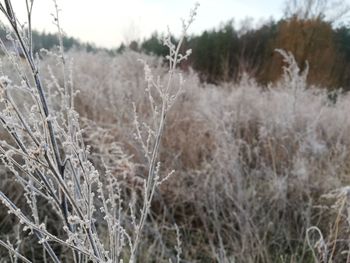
column 109, row 22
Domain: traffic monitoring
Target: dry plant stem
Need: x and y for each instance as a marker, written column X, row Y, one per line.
column 29, row 6
column 68, row 96
column 150, row 185
column 68, row 101
column 9, row 13
column 36, row 230
column 35, row 72
column 57, row 22
column 57, row 167
column 152, row 181
column 14, row 252
column 39, row 230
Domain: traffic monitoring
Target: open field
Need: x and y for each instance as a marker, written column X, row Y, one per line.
column 254, row 167
column 126, row 158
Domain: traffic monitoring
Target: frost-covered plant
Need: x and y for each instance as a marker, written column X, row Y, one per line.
column 149, row 134
column 48, row 158
column 251, row 163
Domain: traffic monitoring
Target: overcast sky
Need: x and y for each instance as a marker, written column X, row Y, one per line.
column 109, row 22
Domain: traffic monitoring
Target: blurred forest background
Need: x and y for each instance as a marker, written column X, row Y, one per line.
column 224, row 53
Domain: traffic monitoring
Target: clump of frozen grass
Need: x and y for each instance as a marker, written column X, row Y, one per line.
column 251, row 161
column 48, row 158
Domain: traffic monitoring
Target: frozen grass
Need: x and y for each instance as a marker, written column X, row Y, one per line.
column 256, row 167
column 261, row 173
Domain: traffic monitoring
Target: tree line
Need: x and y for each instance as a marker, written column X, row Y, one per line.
column 225, row 53
column 47, row 40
